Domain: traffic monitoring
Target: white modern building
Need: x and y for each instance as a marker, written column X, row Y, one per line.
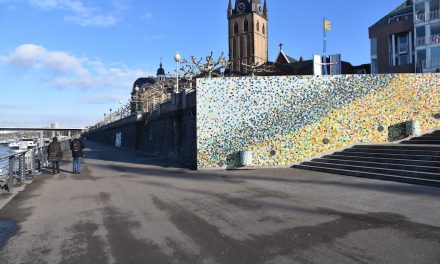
column 427, row 35
column 407, row 39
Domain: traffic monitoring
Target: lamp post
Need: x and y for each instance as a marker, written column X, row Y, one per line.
column 137, row 99
column 177, row 58
column 110, row 115
column 105, row 118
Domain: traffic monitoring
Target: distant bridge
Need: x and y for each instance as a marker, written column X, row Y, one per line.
column 41, row 129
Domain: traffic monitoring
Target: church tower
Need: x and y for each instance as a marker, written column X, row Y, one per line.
column 248, row 31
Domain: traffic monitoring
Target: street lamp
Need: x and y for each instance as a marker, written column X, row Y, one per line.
column 177, row 58
column 110, row 115
column 105, row 118
column 137, row 99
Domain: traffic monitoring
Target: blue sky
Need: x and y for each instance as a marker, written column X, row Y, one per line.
column 70, row 61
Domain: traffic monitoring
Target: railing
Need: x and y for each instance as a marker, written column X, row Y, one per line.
column 403, row 48
column 16, row 166
column 421, row 41
column 435, row 38
column 434, row 14
column 420, row 17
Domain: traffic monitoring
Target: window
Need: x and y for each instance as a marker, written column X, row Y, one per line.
column 374, row 68
column 421, row 60
column 264, row 30
column 241, row 47
column 234, row 48
column 236, row 28
column 420, row 36
column 373, row 46
column 402, row 44
column 258, row 26
column 246, row 26
column 435, row 57
column 403, row 60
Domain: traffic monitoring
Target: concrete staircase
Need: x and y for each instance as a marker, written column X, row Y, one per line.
column 415, row 161
column 428, row 139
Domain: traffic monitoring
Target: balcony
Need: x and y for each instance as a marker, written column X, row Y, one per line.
column 434, row 14
column 421, row 41
column 420, row 17
column 435, row 39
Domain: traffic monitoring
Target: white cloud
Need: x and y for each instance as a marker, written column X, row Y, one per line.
column 80, row 14
column 66, row 71
column 25, row 56
column 93, row 20
column 71, row 5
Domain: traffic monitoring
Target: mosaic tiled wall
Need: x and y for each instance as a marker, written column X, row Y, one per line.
column 289, row 119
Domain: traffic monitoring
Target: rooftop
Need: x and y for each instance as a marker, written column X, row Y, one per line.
column 405, row 8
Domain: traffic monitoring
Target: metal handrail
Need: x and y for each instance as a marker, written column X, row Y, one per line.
column 27, row 162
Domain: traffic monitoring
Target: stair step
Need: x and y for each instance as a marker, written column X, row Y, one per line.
column 385, row 177
column 384, row 164
column 427, row 137
column 405, row 173
column 421, row 142
column 399, row 146
column 389, row 156
column 385, row 160
column 396, row 151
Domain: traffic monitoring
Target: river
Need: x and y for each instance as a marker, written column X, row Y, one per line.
column 3, row 150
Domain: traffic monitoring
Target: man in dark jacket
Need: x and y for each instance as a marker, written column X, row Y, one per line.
column 77, row 146
column 55, row 154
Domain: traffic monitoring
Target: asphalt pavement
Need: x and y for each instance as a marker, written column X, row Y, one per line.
column 127, row 207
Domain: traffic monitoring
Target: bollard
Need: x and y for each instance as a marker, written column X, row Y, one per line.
column 413, row 128
column 246, row 158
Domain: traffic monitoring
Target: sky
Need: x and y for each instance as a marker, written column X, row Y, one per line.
column 70, row 61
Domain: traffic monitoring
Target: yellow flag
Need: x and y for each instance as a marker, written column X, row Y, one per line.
column 327, row 25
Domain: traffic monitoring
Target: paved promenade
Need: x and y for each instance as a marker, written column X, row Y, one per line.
column 127, row 208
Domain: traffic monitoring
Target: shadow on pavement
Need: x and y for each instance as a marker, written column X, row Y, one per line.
column 99, row 151
column 154, row 167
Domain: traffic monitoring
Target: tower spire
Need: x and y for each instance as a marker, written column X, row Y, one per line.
column 265, row 10
column 230, row 9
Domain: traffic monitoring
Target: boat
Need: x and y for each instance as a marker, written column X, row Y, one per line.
column 23, row 144
column 28, row 143
column 15, row 147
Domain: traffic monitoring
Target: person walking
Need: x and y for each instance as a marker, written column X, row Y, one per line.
column 77, row 146
column 55, row 154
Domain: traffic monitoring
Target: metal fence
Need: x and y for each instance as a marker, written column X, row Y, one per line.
column 16, row 167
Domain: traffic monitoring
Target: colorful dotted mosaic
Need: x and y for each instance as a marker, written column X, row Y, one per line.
column 289, row 119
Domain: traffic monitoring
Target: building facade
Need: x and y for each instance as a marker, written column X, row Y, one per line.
column 392, row 41
column 427, row 35
column 248, row 34
column 407, row 40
